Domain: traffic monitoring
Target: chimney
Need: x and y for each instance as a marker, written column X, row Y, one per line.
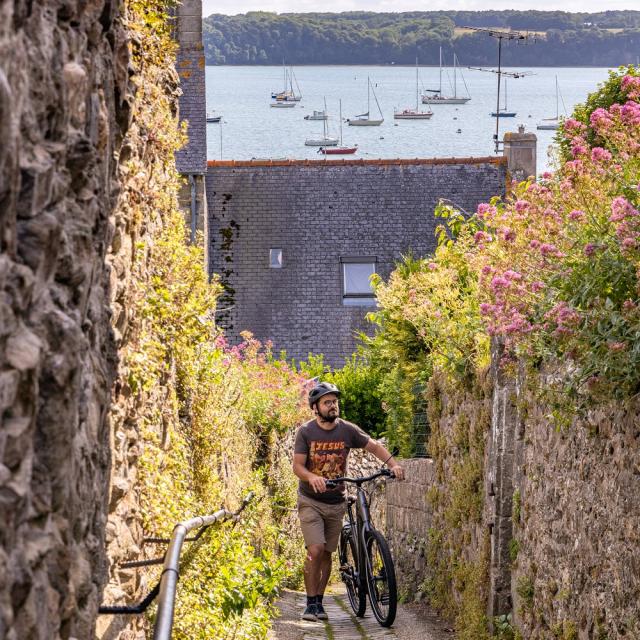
column 520, row 151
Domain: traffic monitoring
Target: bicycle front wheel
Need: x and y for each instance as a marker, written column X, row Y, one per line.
column 381, row 579
column 349, row 572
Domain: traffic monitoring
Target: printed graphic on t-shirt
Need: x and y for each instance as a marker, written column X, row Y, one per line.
column 328, row 459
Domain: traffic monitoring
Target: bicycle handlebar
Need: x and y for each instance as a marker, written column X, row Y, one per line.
column 334, row 482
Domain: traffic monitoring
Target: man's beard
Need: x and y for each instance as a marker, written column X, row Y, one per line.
column 330, row 416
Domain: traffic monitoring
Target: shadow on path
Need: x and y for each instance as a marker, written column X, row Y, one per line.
column 413, row 622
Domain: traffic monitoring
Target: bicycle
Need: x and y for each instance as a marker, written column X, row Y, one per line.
column 366, row 565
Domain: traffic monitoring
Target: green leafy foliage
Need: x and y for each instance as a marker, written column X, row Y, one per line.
column 359, row 37
column 211, row 422
column 358, row 381
column 428, row 319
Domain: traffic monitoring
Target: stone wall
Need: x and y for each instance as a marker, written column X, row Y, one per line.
column 63, row 111
column 319, row 213
column 576, row 524
column 408, row 522
column 548, row 516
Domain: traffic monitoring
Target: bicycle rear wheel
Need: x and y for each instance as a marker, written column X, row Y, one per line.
column 381, row 578
column 349, row 573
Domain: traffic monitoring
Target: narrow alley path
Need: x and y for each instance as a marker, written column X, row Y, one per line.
column 343, row 625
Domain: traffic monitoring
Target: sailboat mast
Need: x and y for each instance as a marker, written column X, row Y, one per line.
column 324, row 121
column 455, row 86
column 440, row 90
column 557, row 108
column 417, row 102
column 340, row 121
column 368, row 98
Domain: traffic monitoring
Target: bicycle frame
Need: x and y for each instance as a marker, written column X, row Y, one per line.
column 362, row 527
column 361, row 540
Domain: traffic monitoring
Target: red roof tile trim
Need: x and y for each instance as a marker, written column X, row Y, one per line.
column 344, row 162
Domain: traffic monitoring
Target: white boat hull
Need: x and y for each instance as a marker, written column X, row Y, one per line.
column 322, row 142
column 283, row 105
column 317, row 115
column 547, row 127
column 413, row 116
column 452, row 100
column 364, row 123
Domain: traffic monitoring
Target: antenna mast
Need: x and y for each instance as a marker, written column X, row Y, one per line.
column 500, row 36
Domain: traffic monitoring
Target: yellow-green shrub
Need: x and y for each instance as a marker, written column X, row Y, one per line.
column 210, row 419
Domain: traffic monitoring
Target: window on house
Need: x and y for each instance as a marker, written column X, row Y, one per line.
column 275, row 258
column 356, row 284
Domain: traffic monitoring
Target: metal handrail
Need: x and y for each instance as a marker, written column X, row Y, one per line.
column 166, row 587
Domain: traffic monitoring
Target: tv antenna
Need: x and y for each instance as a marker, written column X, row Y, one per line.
column 511, row 74
column 500, row 35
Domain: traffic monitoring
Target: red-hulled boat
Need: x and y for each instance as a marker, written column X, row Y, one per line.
column 337, row 150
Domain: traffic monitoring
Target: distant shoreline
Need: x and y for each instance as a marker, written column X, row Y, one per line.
column 421, row 66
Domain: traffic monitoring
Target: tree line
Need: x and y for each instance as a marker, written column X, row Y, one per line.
column 609, row 38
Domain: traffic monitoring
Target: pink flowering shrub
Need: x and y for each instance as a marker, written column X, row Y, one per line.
column 565, row 281
column 553, row 270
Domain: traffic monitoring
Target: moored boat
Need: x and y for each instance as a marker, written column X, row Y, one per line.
column 212, row 117
column 413, row 114
column 364, row 119
column 504, row 112
column 339, row 149
column 283, row 105
column 326, row 140
column 317, row 115
column 438, row 97
column 551, row 124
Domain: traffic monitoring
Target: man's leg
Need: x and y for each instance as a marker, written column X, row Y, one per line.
column 325, row 572
column 313, row 566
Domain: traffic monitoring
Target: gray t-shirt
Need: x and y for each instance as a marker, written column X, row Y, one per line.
column 327, row 453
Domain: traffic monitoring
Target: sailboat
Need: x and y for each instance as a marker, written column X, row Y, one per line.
column 288, row 94
column 326, row 140
column 504, row 113
column 363, row 120
column 438, row 98
column 340, row 149
column 551, row 123
column 413, row 114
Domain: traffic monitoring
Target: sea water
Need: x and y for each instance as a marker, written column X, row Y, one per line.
column 250, row 128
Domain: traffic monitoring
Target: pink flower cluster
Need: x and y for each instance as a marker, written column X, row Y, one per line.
column 552, row 231
column 564, row 318
column 631, row 86
column 628, row 228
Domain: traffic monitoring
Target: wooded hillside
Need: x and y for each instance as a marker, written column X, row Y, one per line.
column 610, row 38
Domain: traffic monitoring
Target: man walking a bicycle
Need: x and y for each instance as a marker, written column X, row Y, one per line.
column 320, row 454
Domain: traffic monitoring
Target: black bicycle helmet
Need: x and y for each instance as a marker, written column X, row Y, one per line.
column 322, row 389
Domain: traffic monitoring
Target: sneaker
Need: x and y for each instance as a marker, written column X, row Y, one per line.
column 321, row 614
column 310, row 613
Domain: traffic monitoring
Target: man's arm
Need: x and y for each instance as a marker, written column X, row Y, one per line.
column 316, row 482
column 380, row 452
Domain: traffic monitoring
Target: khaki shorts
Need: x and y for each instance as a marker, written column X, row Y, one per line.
column 320, row 522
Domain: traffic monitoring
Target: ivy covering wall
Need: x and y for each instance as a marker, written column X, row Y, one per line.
column 197, row 424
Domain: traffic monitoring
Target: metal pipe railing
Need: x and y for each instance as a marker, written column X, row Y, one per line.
column 171, row 569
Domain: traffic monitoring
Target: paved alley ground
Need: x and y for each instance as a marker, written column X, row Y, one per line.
column 412, row 622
